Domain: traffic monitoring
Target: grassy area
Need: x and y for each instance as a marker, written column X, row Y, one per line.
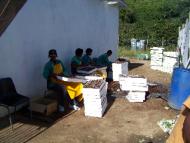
column 139, row 54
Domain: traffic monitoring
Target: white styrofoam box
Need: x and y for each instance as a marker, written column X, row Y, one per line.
column 156, row 59
column 157, row 48
column 167, row 69
column 135, row 98
column 116, row 76
column 167, row 64
column 136, row 93
column 133, row 83
column 171, row 54
column 136, row 80
column 95, row 107
column 138, row 84
column 71, row 79
column 95, row 112
column 119, row 68
column 96, row 104
column 156, row 51
column 98, row 114
column 95, row 93
column 157, row 56
column 122, row 77
column 88, row 78
column 130, row 100
column 133, row 79
column 91, row 99
column 133, row 88
column 170, row 58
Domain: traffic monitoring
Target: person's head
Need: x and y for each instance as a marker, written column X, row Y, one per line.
column 79, row 52
column 109, row 53
column 52, row 54
column 89, row 51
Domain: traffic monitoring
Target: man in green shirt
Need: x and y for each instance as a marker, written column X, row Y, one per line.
column 86, row 59
column 50, row 75
column 103, row 60
column 76, row 61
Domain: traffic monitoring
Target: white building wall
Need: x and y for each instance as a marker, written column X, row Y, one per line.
column 60, row 24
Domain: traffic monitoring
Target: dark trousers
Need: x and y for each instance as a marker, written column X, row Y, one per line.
column 62, row 95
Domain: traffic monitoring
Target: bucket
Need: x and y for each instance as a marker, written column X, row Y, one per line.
column 180, row 87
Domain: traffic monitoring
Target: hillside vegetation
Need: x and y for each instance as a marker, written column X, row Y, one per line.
column 155, row 20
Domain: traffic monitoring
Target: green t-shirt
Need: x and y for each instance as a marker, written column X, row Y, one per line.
column 48, row 71
column 75, row 62
column 103, row 60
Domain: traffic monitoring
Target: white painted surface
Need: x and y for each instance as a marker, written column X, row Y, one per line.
column 61, row 24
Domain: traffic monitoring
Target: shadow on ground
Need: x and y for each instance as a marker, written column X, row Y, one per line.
column 24, row 128
column 134, row 65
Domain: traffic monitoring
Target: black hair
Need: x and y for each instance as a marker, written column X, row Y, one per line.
column 88, row 51
column 109, row 52
column 79, row 52
column 52, row 51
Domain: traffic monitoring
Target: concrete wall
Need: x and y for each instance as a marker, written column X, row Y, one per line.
column 61, row 24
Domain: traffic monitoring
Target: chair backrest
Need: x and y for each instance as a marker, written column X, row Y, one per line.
column 6, row 87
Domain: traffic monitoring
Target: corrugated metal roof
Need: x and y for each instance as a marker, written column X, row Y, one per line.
column 122, row 3
column 8, row 11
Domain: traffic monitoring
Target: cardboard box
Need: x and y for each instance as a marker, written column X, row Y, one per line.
column 44, row 106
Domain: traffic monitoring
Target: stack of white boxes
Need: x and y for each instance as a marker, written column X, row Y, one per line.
column 119, row 68
column 169, row 61
column 95, row 100
column 156, row 58
column 136, row 87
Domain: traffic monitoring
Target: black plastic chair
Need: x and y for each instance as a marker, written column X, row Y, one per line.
column 10, row 98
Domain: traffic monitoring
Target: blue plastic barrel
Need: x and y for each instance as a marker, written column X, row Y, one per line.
column 180, row 88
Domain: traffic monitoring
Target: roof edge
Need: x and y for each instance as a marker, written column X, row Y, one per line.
column 120, row 3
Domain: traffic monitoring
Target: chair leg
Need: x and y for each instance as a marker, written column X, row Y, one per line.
column 14, row 113
column 10, row 119
column 30, row 109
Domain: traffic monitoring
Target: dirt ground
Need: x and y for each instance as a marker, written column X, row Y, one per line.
column 123, row 122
